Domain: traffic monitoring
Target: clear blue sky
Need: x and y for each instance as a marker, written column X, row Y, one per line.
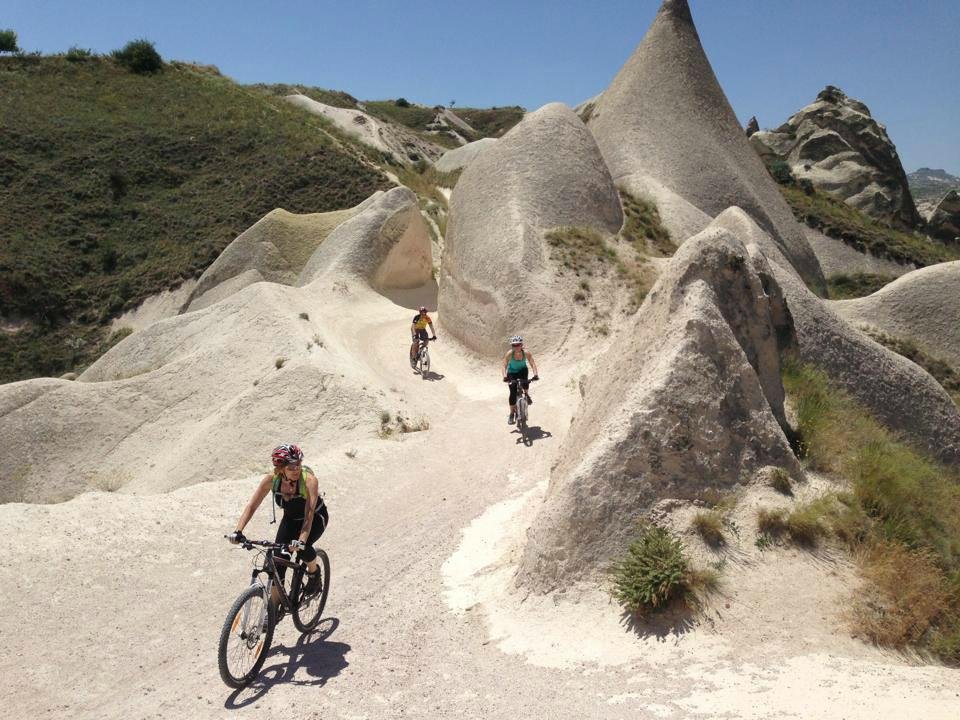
column 772, row 57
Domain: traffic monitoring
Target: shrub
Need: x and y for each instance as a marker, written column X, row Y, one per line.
column 781, row 172
column 279, row 362
column 78, row 54
column 139, row 56
column 304, row 316
column 780, row 481
column 8, row 41
column 906, row 596
column 402, row 102
column 709, row 525
column 655, row 573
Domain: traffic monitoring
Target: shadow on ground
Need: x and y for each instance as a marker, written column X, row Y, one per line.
column 534, row 432
column 311, row 661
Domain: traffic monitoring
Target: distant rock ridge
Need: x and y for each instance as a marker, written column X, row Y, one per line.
column 665, row 122
column 838, row 146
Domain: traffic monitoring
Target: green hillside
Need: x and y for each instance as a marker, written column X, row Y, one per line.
column 114, row 186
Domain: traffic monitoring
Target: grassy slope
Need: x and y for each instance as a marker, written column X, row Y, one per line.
column 115, row 186
column 838, row 220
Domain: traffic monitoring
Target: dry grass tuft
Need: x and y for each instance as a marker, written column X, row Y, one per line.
column 709, row 525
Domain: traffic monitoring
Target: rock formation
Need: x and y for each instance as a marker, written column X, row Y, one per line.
column 665, row 117
column 922, row 306
column 291, row 249
column 218, row 377
column 896, row 391
column 753, row 126
column 494, row 281
column 460, row 157
column 690, row 399
column 838, row 146
column 944, row 221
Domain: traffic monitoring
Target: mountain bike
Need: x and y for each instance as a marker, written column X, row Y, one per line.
column 522, row 404
column 422, row 362
column 248, row 630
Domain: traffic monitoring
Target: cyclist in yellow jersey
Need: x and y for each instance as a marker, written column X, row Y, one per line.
column 418, row 329
column 515, row 368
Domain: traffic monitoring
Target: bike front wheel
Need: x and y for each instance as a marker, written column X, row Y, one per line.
column 424, row 363
column 308, row 611
column 245, row 638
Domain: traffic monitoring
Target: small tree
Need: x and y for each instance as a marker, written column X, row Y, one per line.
column 402, row 102
column 8, row 41
column 139, row 56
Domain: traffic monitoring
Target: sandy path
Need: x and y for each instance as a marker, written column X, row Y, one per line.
column 113, row 603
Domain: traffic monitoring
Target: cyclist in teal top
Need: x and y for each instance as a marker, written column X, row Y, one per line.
column 515, row 368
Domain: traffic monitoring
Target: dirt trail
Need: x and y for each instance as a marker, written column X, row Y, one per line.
column 113, row 603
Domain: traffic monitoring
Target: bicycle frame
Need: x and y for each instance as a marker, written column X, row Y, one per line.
column 269, row 569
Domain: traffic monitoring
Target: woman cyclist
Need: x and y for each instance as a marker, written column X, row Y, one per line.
column 305, row 517
column 515, row 368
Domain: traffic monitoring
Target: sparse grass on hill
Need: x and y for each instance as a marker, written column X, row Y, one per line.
column 709, row 525
column 335, row 98
column 840, row 221
column 655, row 574
column 115, row 186
column 415, row 117
column 491, row 122
column 643, row 228
column 845, row 287
column 901, row 513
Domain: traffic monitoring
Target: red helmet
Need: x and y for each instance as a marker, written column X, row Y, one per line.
column 423, row 308
column 286, row 454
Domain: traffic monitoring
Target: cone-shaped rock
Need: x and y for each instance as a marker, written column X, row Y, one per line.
column 666, row 117
column 495, row 281
column 688, row 401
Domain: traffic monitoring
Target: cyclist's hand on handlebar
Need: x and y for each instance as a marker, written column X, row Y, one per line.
column 297, row 545
column 434, row 337
column 236, row 537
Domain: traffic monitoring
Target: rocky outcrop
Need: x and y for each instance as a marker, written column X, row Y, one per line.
column 922, row 306
column 294, row 249
column 944, row 221
column 459, row 158
column 897, row 392
column 690, row 400
column 665, row 117
column 495, row 279
column 275, row 248
column 219, row 377
column 838, row 146
column 405, row 146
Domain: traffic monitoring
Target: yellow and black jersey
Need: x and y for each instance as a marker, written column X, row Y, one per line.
column 420, row 322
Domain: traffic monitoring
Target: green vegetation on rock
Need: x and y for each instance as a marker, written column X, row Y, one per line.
column 115, row 186
column 491, row 122
column 901, row 511
column 845, row 287
column 840, row 221
column 655, row 574
column 335, row 98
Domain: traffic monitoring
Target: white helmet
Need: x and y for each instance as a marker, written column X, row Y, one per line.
column 516, row 340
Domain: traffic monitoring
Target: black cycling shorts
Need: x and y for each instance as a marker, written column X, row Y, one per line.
column 421, row 335
column 289, row 531
column 522, row 375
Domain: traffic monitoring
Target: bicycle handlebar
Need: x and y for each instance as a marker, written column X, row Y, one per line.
column 249, row 544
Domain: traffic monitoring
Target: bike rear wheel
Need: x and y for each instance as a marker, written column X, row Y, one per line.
column 245, row 638
column 308, row 611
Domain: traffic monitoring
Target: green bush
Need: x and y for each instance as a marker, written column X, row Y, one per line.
column 78, row 54
column 8, row 41
column 655, row 573
column 781, row 172
column 139, row 56
column 402, row 102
